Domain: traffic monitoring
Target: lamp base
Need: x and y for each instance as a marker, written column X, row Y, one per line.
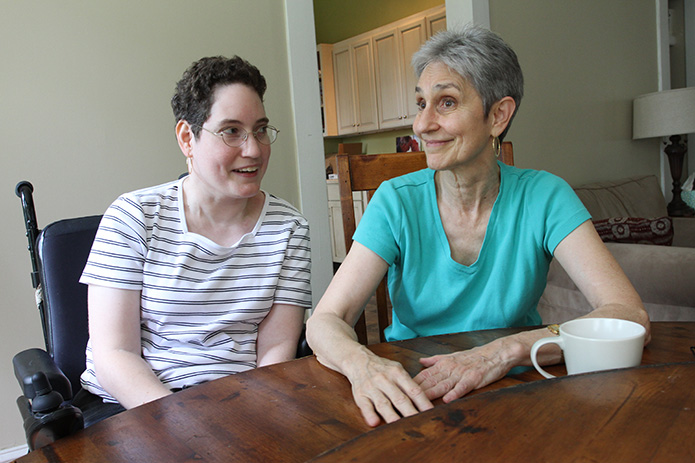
column 679, row 208
column 676, row 152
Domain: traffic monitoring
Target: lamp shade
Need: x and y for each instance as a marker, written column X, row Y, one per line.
column 661, row 114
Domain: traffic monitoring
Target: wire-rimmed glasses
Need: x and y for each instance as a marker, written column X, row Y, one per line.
column 237, row 136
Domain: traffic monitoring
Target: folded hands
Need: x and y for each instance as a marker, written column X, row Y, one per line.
column 382, row 388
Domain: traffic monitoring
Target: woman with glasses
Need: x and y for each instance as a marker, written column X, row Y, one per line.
column 207, row 275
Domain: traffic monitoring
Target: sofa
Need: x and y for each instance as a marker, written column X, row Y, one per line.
column 656, row 252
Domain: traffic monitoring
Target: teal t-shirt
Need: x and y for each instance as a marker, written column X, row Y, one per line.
column 433, row 294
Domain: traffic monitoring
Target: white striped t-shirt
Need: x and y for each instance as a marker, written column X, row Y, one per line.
column 201, row 303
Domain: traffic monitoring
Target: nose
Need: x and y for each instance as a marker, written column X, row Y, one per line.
column 251, row 148
column 425, row 121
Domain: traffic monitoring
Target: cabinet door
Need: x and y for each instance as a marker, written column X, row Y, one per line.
column 364, row 87
column 387, row 65
column 411, row 38
column 436, row 23
column 344, row 99
column 393, row 50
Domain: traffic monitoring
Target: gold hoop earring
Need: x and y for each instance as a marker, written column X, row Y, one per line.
column 496, row 146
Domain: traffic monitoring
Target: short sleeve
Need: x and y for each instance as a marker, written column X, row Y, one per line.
column 118, row 254
column 560, row 210
column 294, row 282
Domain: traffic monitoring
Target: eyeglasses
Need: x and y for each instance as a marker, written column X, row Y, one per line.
column 236, row 136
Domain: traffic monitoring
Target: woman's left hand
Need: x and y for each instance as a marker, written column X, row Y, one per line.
column 454, row 375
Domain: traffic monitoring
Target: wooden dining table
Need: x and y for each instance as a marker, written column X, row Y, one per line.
column 300, row 411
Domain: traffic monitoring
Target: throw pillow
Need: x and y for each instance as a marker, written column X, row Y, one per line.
column 636, row 230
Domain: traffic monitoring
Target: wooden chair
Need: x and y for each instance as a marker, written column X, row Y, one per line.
column 365, row 172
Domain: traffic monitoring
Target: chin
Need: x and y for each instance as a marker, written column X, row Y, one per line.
column 248, row 193
column 436, row 161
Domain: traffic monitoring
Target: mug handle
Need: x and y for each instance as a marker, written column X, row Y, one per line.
column 534, row 351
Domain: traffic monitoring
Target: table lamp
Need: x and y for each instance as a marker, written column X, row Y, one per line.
column 670, row 113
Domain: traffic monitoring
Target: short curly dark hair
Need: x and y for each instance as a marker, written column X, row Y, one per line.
column 193, row 98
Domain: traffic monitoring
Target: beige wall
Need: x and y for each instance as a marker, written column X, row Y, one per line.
column 85, row 100
column 583, row 64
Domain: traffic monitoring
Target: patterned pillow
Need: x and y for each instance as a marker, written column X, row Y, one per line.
column 636, row 230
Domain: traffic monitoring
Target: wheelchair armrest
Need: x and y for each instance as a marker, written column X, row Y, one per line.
column 303, row 349
column 31, row 361
column 42, row 429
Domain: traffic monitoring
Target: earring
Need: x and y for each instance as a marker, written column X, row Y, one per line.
column 189, row 164
column 496, row 146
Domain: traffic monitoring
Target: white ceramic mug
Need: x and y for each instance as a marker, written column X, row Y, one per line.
column 595, row 344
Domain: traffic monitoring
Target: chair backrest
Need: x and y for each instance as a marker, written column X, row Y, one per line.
column 365, row 172
column 63, row 248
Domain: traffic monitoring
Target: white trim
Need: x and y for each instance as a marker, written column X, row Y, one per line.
column 304, row 93
column 662, row 45
column 13, row 453
column 460, row 12
column 689, row 16
column 664, row 73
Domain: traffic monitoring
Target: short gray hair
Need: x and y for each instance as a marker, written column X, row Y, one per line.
column 482, row 58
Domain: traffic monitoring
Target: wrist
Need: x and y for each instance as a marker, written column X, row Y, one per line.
column 514, row 351
column 354, row 363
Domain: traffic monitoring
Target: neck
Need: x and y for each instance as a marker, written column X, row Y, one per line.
column 470, row 189
column 216, row 216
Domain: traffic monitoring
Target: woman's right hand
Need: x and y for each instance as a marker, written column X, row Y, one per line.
column 383, row 389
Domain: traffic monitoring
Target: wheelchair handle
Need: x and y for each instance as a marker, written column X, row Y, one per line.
column 24, row 188
column 24, row 191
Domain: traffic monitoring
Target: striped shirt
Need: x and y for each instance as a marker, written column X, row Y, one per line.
column 201, row 303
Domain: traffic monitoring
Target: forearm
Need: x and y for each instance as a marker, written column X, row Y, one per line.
column 599, row 277
column 454, row 375
column 382, row 389
column 516, row 349
column 334, row 343
column 278, row 334
column 128, row 378
column 279, row 352
column 330, row 330
column 634, row 311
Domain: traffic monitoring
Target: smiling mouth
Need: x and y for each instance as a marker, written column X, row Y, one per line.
column 247, row 170
column 435, row 142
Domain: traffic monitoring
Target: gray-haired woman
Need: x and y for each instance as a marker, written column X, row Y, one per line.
column 467, row 242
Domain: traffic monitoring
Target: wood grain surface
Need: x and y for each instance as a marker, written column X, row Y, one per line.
column 298, row 410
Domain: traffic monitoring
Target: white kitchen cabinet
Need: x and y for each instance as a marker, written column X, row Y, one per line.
column 355, row 88
column 393, row 50
column 373, row 80
column 344, row 100
column 436, row 22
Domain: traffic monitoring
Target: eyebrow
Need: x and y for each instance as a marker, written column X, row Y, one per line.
column 440, row 87
column 263, row 120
